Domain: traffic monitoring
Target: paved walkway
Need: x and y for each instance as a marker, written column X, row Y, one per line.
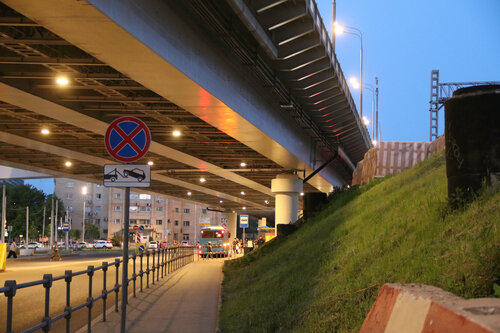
column 186, row 301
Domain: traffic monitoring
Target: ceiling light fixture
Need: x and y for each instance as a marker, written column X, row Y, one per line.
column 150, row 163
column 243, row 164
column 202, row 180
column 176, row 133
column 189, row 193
column 242, row 193
column 45, row 131
column 62, row 81
column 68, row 163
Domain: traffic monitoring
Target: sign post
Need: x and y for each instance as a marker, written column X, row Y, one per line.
column 127, row 139
column 244, row 225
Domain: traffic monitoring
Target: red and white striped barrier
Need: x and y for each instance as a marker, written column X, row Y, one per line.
column 414, row 308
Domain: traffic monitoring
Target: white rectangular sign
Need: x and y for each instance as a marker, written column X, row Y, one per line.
column 127, row 175
column 243, row 221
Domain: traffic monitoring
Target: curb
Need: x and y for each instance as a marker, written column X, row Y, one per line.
column 32, row 258
column 416, row 308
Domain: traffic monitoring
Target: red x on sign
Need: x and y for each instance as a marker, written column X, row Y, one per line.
column 127, row 139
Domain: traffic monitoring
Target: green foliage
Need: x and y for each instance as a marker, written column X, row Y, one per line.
column 117, row 239
column 91, row 231
column 75, row 234
column 326, row 276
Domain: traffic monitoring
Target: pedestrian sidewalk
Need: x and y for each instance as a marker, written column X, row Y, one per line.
column 185, row 301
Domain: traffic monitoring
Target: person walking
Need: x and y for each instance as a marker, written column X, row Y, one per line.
column 55, row 252
column 12, row 250
column 209, row 250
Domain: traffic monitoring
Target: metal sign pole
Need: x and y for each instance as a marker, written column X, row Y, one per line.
column 125, row 260
column 4, row 205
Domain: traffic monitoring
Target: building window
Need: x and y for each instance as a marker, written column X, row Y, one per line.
column 133, row 209
column 159, row 199
column 134, row 221
column 143, row 196
column 70, row 184
column 69, row 196
column 176, row 236
column 159, row 221
column 117, row 208
column 97, row 209
column 97, row 221
column 159, row 209
column 176, row 209
column 117, row 221
column 176, row 222
column 186, row 210
column 185, row 237
column 145, row 209
column 186, row 223
column 118, row 195
column 145, row 221
column 134, row 196
column 204, row 211
column 98, row 196
column 105, row 231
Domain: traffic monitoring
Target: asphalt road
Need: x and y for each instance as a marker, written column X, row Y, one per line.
column 29, row 302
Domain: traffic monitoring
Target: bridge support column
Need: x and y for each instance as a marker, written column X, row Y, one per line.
column 287, row 188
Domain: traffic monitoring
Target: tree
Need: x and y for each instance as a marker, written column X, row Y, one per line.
column 75, row 234
column 91, row 231
column 117, row 239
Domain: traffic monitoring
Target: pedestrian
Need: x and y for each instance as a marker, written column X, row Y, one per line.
column 260, row 241
column 55, row 252
column 12, row 250
column 209, row 250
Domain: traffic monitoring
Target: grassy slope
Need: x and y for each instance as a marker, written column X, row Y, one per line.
column 326, row 276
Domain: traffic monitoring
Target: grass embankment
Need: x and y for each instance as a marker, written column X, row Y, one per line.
column 326, row 276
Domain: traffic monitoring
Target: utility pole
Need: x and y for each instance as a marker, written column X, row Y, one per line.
column 55, row 220
column 43, row 225
column 4, row 207
column 51, row 221
column 334, row 13
column 27, row 224
column 376, row 108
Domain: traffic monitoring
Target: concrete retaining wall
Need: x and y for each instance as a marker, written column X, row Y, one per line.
column 414, row 308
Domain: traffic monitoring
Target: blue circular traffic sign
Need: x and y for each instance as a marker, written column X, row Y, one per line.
column 127, row 139
column 141, row 227
column 141, row 248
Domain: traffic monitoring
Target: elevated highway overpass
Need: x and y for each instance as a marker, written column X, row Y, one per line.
column 252, row 81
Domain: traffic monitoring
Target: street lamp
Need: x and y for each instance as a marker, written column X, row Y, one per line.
column 338, row 30
column 356, row 85
column 84, row 192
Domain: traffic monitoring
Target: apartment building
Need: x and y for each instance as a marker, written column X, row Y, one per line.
column 162, row 218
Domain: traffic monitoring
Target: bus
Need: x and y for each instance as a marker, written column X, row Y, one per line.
column 218, row 237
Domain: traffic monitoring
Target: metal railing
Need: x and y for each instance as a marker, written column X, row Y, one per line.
column 163, row 262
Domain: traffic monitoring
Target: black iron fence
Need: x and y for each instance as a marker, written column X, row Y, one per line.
column 159, row 263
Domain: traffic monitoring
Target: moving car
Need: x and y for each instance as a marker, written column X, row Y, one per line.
column 83, row 245
column 153, row 245
column 103, row 244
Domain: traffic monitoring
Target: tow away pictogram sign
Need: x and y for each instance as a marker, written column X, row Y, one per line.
column 127, row 175
column 127, row 139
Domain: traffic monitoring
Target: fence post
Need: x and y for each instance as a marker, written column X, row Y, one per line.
column 153, row 268
column 117, row 284
column 134, row 277
column 47, row 283
column 67, row 278
column 158, row 267
column 11, row 284
column 141, row 272
column 90, row 300
column 147, row 269
column 104, row 289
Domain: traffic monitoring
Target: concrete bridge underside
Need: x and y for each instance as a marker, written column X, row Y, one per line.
column 245, row 81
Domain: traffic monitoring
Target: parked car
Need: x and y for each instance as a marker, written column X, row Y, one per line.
column 184, row 243
column 83, row 245
column 103, row 244
column 34, row 245
column 163, row 244
column 153, row 245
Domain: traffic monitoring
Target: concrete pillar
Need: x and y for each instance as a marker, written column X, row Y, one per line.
column 287, row 188
column 232, row 221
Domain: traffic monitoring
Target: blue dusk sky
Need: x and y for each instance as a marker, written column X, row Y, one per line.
column 403, row 40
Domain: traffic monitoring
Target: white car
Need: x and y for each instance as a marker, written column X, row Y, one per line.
column 103, row 244
column 34, row 245
column 153, row 245
column 184, row 243
column 83, row 245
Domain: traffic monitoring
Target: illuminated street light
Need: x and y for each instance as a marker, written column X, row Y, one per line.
column 366, row 121
column 354, row 82
column 339, row 29
column 62, row 81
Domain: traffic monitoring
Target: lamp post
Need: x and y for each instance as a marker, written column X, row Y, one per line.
column 339, row 29
column 84, row 192
column 356, row 85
